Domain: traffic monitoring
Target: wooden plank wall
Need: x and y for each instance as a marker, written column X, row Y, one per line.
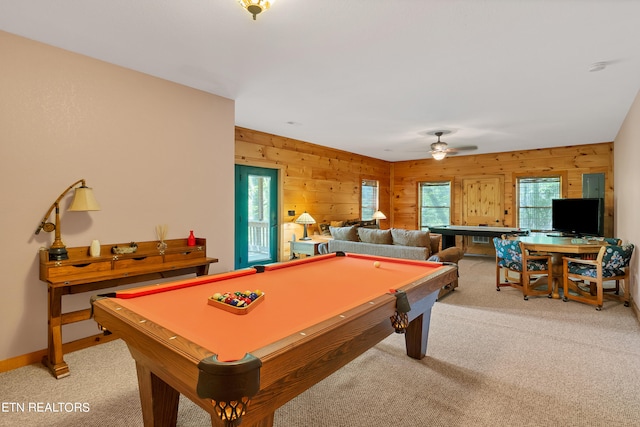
column 326, row 182
column 570, row 162
column 322, row 181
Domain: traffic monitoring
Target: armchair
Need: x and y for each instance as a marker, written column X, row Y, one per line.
column 526, row 269
column 584, row 279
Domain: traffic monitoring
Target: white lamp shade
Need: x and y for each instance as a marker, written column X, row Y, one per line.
column 84, row 200
column 379, row 215
column 305, row 218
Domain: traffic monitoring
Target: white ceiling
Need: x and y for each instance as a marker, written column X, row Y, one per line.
column 374, row 76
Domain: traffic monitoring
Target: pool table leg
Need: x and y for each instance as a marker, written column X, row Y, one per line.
column 417, row 333
column 158, row 399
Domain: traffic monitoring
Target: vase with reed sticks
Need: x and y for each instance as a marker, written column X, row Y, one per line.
column 161, row 233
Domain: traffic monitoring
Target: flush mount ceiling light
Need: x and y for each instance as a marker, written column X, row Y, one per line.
column 255, row 7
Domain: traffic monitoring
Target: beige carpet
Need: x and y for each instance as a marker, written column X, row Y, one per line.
column 493, row 360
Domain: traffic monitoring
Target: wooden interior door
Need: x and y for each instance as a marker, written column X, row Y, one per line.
column 482, row 201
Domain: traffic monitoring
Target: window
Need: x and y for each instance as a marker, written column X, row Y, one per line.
column 369, row 201
column 435, row 204
column 534, row 201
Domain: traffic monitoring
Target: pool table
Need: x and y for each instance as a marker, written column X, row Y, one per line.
column 317, row 314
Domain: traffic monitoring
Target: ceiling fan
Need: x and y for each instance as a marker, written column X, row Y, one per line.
column 440, row 149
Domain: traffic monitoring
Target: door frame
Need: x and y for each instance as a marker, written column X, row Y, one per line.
column 280, row 177
column 467, row 245
column 500, row 180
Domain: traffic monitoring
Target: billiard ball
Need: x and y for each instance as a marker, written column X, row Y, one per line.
column 376, row 264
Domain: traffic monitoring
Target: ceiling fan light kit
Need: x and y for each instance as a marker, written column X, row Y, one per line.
column 438, row 155
column 439, row 149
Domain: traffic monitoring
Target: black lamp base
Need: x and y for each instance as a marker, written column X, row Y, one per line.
column 58, row 254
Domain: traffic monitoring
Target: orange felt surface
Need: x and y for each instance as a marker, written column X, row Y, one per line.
column 298, row 294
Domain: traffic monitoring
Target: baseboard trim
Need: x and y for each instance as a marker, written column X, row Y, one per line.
column 36, row 356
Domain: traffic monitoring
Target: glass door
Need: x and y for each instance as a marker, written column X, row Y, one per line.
column 256, row 211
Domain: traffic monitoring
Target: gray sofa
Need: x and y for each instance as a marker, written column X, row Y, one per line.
column 395, row 243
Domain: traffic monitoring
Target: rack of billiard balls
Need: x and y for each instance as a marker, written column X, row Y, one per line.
column 237, row 302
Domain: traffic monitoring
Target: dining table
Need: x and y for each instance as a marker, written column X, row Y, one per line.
column 559, row 246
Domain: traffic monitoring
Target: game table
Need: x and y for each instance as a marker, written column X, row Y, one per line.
column 449, row 232
column 317, row 315
column 559, row 247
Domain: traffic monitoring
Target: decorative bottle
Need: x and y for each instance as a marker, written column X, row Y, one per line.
column 191, row 240
column 94, row 249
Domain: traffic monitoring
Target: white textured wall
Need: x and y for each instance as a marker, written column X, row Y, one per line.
column 155, row 153
column 627, row 189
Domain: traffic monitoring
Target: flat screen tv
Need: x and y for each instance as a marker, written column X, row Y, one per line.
column 578, row 217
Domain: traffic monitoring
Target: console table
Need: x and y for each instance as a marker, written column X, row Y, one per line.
column 84, row 273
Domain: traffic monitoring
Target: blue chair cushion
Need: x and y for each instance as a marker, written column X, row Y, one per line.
column 508, row 250
column 591, row 271
column 536, row 265
column 615, row 260
column 510, row 256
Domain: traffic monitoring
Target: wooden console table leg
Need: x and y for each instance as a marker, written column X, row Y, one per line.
column 202, row 270
column 54, row 359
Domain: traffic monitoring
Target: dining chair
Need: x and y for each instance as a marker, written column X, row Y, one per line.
column 612, row 240
column 521, row 269
column 584, row 280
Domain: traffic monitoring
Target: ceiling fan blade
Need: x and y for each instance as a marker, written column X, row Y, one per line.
column 462, row 148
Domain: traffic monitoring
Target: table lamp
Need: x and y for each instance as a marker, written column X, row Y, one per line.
column 83, row 200
column 305, row 219
column 378, row 215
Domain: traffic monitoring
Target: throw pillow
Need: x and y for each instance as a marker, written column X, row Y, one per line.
column 410, row 237
column 345, row 233
column 337, row 223
column 324, row 229
column 370, row 235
